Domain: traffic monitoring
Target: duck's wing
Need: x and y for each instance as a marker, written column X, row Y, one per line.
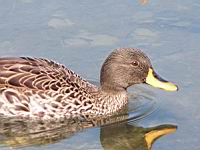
column 39, row 74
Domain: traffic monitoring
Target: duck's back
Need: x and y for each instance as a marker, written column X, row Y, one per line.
column 36, row 86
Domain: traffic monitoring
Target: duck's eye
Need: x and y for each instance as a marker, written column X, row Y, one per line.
column 135, row 63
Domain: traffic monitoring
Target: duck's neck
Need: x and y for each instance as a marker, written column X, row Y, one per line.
column 112, row 88
column 110, row 100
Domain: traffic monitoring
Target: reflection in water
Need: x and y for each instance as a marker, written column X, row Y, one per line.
column 20, row 133
column 129, row 137
column 143, row 2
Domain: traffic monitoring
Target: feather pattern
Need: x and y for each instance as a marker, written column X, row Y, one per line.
column 40, row 88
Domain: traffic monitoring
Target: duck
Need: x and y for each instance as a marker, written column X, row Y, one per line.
column 38, row 88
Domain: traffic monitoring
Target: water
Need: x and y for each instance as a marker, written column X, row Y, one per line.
column 80, row 34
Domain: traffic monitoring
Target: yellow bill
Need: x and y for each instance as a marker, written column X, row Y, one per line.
column 154, row 80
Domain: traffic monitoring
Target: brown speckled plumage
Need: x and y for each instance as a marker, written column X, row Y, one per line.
column 39, row 88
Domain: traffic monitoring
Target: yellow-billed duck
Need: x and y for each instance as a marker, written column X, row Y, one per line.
column 40, row 88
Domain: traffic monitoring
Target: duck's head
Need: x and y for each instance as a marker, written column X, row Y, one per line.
column 127, row 66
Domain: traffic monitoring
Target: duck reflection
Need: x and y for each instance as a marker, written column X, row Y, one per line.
column 129, row 137
column 19, row 133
